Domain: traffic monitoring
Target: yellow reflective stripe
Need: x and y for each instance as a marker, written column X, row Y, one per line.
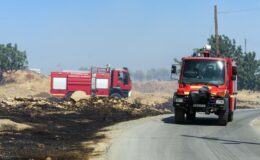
column 198, row 87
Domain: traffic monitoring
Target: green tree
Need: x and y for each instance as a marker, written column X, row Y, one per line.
column 11, row 59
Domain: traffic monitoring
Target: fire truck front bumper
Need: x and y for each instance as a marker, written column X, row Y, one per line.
column 213, row 105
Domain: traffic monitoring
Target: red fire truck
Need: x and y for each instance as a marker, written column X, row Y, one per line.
column 206, row 84
column 96, row 82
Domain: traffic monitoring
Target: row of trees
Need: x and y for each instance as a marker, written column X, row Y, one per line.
column 151, row 74
column 11, row 59
column 248, row 65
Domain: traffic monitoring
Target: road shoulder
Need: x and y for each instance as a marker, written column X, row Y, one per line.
column 256, row 124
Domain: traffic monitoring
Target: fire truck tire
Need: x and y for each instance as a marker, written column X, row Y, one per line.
column 190, row 116
column 230, row 116
column 223, row 118
column 67, row 96
column 179, row 115
column 116, row 95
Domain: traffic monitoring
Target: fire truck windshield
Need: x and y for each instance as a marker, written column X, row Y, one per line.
column 203, row 72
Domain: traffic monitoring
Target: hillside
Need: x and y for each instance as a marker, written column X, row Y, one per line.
column 29, row 83
column 24, row 84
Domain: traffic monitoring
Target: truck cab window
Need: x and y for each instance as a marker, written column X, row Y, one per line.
column 119, row 76
column 203, row 72
column 126, row 78
column 123, row 77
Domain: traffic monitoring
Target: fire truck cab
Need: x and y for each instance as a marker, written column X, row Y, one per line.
column 206, row 84
column 104, row 82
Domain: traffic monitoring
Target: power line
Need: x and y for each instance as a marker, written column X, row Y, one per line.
column 239, row 11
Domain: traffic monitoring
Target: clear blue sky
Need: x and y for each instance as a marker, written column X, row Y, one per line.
column 140, row 34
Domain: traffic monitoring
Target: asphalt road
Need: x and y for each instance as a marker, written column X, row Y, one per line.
column 159, row 138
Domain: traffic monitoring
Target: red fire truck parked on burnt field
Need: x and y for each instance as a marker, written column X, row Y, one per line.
column 98, row 81
column 206, row 84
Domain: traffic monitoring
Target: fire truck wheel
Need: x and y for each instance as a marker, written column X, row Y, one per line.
column 116, row 95
column 190, row 116
column 67, row 96
column 230, row 116
column 179, row 115
column 223, row 118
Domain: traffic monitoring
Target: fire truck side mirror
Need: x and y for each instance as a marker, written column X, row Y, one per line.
column 234, row 70
column 174, row 69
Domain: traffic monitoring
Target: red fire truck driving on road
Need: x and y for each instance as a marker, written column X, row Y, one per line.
column 96, row 82
column 206, row 84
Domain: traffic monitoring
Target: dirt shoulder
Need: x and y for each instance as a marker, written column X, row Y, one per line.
column 256, row 124
column 248, row 99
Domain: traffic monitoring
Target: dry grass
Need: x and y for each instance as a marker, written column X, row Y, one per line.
column 248, row 99
column 153, row 92
column 24, row 83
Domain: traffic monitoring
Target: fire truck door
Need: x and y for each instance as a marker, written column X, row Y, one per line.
column 123, row 80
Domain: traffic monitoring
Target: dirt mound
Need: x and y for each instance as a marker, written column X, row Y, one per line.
column 25, row 83
column 79, row 95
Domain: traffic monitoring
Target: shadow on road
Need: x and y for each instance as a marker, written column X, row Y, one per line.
column 203, row 121
column 225, row 141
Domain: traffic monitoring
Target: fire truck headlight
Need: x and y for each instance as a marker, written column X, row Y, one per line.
column 220, row 101
column 179, row 100
column 221, row 94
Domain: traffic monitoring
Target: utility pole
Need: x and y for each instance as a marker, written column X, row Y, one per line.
column 245, row 44
column 216, row 29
